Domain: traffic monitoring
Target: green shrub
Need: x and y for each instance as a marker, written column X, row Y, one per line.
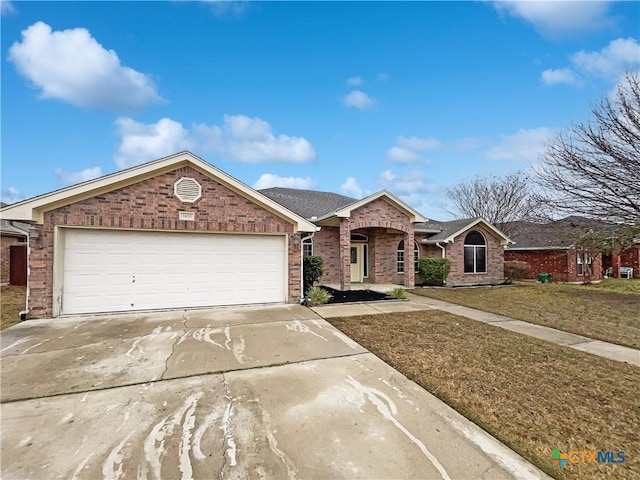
column 434, row 271
column 398, row 293
column 312, row 270
column 318, row 296
column 516, row 270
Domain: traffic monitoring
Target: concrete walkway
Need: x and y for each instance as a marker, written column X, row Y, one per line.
column 418, row 302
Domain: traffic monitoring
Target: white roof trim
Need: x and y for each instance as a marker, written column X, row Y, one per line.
column 345, row 212
column 32, row 209
column 450, row 238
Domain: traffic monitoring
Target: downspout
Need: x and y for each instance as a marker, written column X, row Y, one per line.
column 23, row 314
column 441, row 248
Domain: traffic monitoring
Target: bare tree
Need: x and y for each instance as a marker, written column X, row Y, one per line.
column 593, row 168
column 500, row 200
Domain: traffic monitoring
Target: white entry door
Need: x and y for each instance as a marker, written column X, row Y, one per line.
column 114, row 270
column 357, row 262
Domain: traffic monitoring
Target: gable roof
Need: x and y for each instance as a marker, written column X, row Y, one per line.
column 345, row 211
column 308, row 203
column 446, row 232
column 32, row 209
column 555, row 235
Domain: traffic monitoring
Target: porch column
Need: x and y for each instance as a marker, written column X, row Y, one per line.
column 409, row 271
column 616, row 263
column 345, row 255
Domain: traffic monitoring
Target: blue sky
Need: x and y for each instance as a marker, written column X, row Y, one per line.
column 349, row 97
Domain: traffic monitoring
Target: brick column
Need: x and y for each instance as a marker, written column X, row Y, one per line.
column 345, row 255
column 616, row 263
column 409, row 271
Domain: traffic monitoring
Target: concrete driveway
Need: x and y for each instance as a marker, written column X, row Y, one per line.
column 252, row 392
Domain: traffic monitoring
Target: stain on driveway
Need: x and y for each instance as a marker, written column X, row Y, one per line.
column 252, row 392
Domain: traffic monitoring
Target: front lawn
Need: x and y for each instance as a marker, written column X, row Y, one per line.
column 609, row 311
column 13, row 301
column 532, row 395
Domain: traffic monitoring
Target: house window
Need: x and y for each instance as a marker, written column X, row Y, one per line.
column 475, row 253
column 400, row 256
column 580, row 269
column 307, row 247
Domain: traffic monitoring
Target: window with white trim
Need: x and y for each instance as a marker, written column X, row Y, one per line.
column 580, row 264
column 307, row 247
column 400, row 256
column 475, row 253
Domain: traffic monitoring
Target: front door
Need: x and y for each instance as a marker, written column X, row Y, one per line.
column 356, row 263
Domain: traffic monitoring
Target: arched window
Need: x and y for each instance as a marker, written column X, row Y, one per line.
column 307, row 247
column 400, row 256
column 475, row 253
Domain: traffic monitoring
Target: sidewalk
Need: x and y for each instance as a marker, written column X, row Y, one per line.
column 417, row 303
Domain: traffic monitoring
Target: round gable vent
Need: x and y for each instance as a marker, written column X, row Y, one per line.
column 187, row 190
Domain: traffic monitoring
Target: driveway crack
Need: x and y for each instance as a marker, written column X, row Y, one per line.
column 228, row 442
column 175, row 343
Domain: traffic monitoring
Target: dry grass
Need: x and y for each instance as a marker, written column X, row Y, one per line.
column 532, row 395
column 596, row 311
column 12, row 304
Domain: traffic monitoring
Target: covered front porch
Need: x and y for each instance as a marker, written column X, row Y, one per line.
column 366, row 244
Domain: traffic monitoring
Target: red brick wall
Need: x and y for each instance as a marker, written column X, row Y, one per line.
column 495, row 261
column 151, row 204
column 631, row 258
column 325, row 245
column 561, row 264
column 5, row 242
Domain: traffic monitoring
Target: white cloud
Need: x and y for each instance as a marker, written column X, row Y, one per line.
column 240, row 138
column 523, row 146
column 268, row 180
column 6, row 7
column 351, row 188
column 402, row 155
column 251, row 140
column 355, row 81
column 407, row 148
column 561, row 75
column 558, row 18
column 11, row 195
column 143, row 142
column 419, row 144
column 71, row 178
column 71, row 65
column 612, row 61
column 358, row 99
column 413, row 187
column 225, row 8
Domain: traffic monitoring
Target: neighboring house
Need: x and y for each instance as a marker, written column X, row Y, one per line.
column 13, row 249
column 630, row 257
column 551, row 248
column 177, row 233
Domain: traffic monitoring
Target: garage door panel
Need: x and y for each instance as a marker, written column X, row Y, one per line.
column 109, row 270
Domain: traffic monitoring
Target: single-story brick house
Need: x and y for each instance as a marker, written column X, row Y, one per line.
column 551, row 248
column 178, row 232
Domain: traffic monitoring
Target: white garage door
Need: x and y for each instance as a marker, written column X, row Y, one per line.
column 113, row 271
